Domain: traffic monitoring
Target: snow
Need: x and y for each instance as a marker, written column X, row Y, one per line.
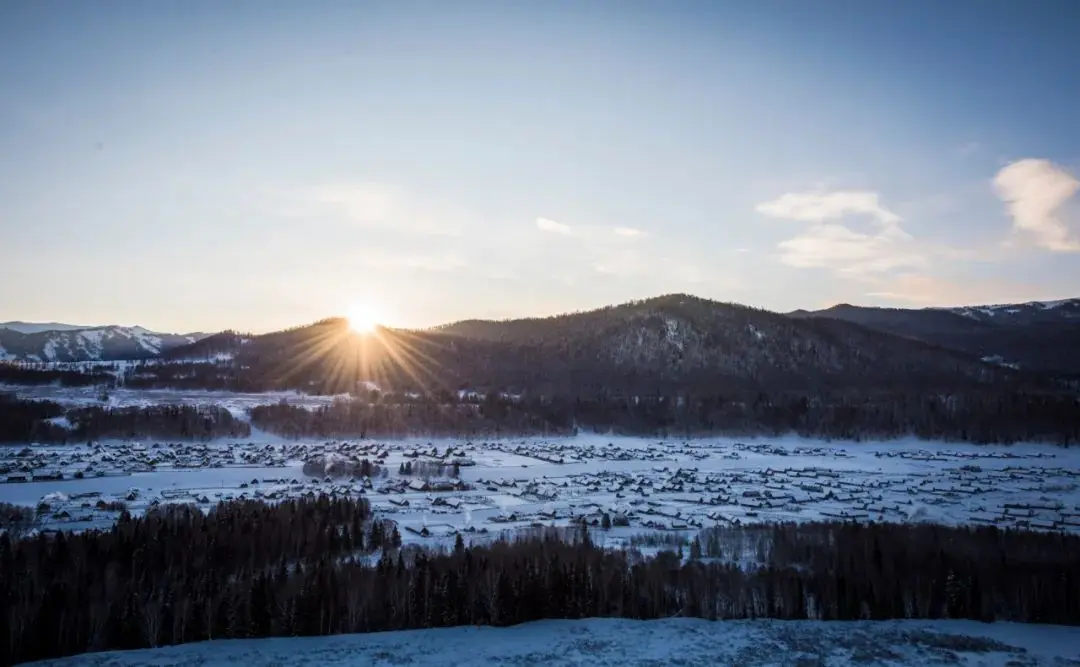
column 215, row 358
column 146, row 339
column 62, row 422
column 1011, row 308
column 4, row 356
column 668, row 484
column 120, row 397
column 92, row 341
column 627, row 643
column 1050, row 305
column 671, row 332
column 998, row 360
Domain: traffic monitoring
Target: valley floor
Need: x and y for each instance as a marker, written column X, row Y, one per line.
column 628, row 643
column 642, row 484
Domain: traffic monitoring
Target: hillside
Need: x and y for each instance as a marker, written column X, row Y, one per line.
column 1038, row 336
column 623, row 642
column 1019, row 314
column 107, row 343
column 667, row 344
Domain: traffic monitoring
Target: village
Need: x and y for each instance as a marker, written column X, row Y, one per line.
column 437, row 489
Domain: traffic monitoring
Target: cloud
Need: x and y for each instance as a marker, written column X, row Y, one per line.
column 552, row 227
column 627, row 231
column 822, row 206
column 832, row 245
column 1034, row 192
column 837, row 247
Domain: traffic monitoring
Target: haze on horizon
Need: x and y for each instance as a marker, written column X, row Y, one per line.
column 256, row 165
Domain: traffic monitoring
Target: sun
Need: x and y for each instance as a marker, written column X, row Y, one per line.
column 362, row 318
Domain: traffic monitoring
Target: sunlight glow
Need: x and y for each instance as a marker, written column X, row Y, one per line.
column 362, row 318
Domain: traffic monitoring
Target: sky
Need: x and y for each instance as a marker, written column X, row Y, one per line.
column 197, row 165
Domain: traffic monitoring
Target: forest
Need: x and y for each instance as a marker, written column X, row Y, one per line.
column 246, row 569
column 985, row 417
column 66, row 375
column 33, row 421
column 980, row 417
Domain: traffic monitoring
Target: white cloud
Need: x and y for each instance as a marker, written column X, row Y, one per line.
column 831, row 245
column 822, row 206
column 552, row 227
column 1035, row 191
column 627, row 231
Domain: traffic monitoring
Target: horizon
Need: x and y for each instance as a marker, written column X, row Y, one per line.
column 372, row 325
column 256, row 166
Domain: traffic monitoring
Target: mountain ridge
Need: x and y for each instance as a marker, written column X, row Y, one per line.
column 103, row 343
column 1042, row 336
column 665, row 344
column 670, row 339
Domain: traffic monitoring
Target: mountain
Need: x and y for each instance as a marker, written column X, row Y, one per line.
column 667, row 344
column 1038, row 336
column 1065, row 311
column 108, row 343
column 38, row 327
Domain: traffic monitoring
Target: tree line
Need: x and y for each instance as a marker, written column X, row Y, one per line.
column 982, row 417
column 66, row 375
column 248, row 569
column 36, row 421
column 985, row 417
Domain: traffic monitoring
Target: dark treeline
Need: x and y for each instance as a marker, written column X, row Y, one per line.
column 984, row 417
column 403, row 416
column 66, row 375
column 185, row 422
column 29, row 421
column 253, row 570
column 987, row 417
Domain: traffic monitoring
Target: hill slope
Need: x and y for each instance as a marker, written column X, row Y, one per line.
column 1038, row 336
column 667, row 344
column 91, row 344
column 621, row 642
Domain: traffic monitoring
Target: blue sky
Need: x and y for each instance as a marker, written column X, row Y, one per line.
column 254, row 165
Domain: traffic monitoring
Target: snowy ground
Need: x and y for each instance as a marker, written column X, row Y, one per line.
column 627, row 643
column 73, row 397
column 649, row 484
column 643, row 484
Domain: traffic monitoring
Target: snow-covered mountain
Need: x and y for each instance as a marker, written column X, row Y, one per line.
column 1041, row 336
column 26, row 342
column 1022, row 314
